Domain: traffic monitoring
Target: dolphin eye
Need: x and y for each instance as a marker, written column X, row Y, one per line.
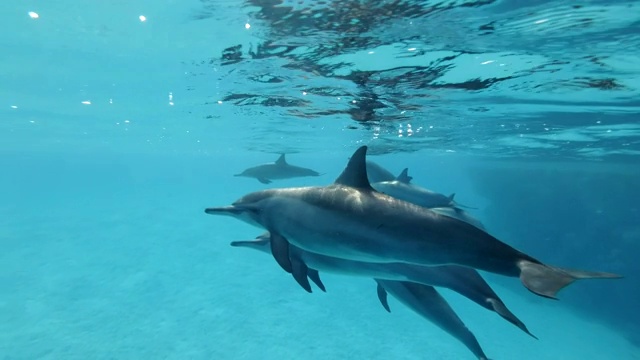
column 255, row 210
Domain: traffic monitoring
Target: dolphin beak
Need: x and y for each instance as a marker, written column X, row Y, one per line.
column 262, row 244
column 243, row 243
column 223, row 210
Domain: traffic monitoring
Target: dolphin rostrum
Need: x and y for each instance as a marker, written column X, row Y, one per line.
column 279, row 169
column 428, row 303
column 350, row 220
column 465, row 281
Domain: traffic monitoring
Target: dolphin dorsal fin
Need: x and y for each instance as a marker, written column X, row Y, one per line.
column 355, row 174
column 281, row 160
column 404, row 176
column 452, row 196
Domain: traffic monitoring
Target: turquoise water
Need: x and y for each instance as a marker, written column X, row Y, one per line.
column 116, row 131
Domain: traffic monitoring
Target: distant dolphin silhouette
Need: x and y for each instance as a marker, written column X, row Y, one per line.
column 277, row 170
column 401, row 188
column 405, row 191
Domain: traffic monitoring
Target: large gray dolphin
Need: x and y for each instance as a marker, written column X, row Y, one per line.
column 279, row 169
column 350, row 220
column 465, row 281
column 428, row 303
column 401, row 188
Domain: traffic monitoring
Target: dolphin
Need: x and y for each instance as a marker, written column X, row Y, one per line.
column 350, row 220
column 428, row 303
column 422, row 299
column 445, row 205
column 401, row 188
column 377, row 173
column 465, row 281
column 279, row 169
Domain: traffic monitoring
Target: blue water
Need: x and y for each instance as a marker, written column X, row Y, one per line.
column 116, row 131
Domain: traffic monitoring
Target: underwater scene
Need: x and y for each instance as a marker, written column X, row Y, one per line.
column 276, row 179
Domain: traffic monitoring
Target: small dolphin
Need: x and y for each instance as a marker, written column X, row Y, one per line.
column 377, row 173
column 279, row 169
column 350, row 220
column 401, row 188
column 428, row 303
column 465, row 281
column 384, row 178
column 424, row 196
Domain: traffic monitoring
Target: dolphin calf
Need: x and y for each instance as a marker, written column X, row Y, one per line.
column 401, row 188
column 350, row 220
column 377, row 173
column 465, row 281
column 277, row 170
column 428, row 303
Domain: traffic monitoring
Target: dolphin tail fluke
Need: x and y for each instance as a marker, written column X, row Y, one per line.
column 501, row 309
column 547, row 280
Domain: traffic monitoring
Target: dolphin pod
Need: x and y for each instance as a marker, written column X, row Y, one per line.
column 350, row 220
column 351, row 227
column 277, row 170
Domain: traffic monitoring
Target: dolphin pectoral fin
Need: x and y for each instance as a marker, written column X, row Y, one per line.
column 280, row 251
column 299, row 270
column 382, row 296
column 501, row 309
column 314, row 275
column 547, row 280
column 264, row 181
